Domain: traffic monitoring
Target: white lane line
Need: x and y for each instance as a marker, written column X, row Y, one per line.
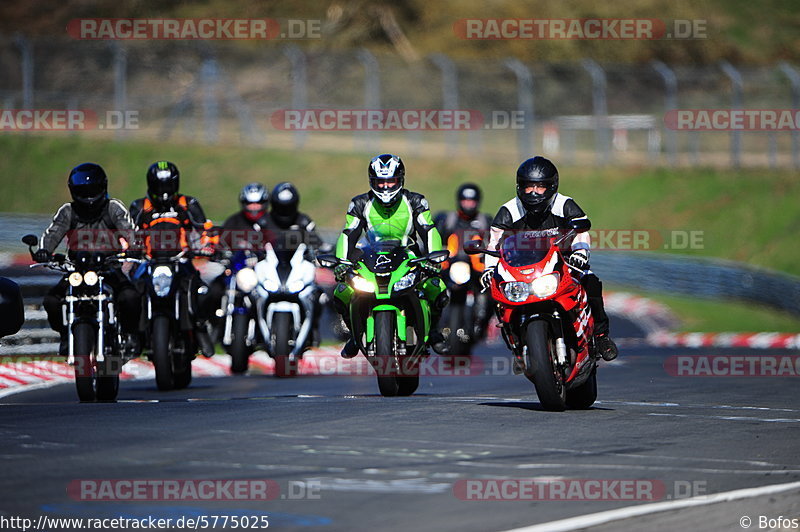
column 728, row 418
column 678, row 405
column 585, row 521
column 541, row 465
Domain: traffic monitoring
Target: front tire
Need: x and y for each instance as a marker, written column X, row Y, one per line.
column 385, row 323
column 162, row 358
column 408, row 383
column 240, row 353
column 83, row 343
column 583, row 396
column 282, row 332
column 541, row 372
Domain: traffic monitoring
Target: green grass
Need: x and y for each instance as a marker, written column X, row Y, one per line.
column 703, row 315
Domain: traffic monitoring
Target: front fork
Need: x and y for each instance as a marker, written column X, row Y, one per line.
column 229, row 304
column 68, row 318
column 518, row 346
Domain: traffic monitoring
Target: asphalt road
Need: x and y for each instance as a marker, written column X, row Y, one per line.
column 345, row 458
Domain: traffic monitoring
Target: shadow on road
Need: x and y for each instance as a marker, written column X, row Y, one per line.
column 530, row 405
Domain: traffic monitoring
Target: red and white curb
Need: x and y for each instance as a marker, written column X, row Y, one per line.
column 25, row 375
column 762, row 340
column 651, row 315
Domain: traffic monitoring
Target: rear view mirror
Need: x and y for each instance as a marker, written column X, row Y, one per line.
column 473, row 247
column 580, row 225
column 30, row 240
column 439, row 256
column 327, row 261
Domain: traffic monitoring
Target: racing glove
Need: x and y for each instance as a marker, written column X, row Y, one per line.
column 430, row 268
column 579, row 259
column 486, row 278
column 42, row 255
column 340, row 271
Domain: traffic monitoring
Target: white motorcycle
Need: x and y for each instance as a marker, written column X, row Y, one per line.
column 287, row 302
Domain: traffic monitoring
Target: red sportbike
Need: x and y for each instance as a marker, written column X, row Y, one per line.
column 545, row 317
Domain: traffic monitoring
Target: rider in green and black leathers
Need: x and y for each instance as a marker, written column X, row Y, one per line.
column 388, row 202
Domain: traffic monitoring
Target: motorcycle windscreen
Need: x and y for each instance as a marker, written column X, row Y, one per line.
column 525, row 249
column 383, row 247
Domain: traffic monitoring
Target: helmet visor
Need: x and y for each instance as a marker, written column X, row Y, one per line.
column 87, row 192
column 385, row 187
column 162, row 187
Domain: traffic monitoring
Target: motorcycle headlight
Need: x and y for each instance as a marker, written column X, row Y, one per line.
column 460, row 272
column 516, row 291
column 90, row 278
column 362, row 285
column 271, row 285
column 75, row 279
column 546, row 285
column 162, row 280
column 246, row 279
column 406, row 281
column 295, row 286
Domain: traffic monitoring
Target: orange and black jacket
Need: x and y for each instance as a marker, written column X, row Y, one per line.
column 170, row 231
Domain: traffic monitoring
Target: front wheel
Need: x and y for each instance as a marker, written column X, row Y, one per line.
column 540, row 370
column 83, row 343
column 388, row 384
column 408, row 382
column 282, row 333
column 239, row 351
column 108, row 380
column 162, row 357
column 583, row 396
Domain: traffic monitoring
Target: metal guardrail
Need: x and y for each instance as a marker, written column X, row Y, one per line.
column 705, row 278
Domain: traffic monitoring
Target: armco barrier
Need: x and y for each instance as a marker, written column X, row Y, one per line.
column 705, row 278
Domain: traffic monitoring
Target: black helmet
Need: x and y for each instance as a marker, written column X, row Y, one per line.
column 163, row 182
column 543, row 172
column 88, row 186
column 468, row 191
column 382, row 168
column 285, row 200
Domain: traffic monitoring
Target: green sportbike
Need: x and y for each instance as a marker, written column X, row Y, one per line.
column 389, row 315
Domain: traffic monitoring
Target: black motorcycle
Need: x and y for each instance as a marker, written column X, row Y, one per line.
column 168, row 314
column 95, row 340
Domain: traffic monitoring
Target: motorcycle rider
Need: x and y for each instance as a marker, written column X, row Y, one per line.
column 290, row 228
column 165, row 211
column 461, row 225
column 245, row 229
column 90, row 213
column 539, row 207
column 389, row 202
